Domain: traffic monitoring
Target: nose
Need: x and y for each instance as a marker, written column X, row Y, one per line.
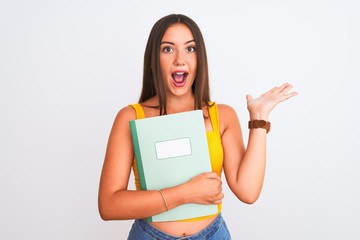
column 179, row 59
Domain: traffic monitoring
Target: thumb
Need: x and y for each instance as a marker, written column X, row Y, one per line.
column 248, row 97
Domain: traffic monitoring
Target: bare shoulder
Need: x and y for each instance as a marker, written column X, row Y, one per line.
column 119, row 143
column 226, row 111
column 125, row 115
column 227, row 116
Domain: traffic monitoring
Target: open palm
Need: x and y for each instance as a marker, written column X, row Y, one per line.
column 262, row 106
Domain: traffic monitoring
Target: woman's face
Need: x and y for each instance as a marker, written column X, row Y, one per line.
column 178, row 59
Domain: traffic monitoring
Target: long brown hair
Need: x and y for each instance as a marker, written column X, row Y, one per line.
column 153, row 83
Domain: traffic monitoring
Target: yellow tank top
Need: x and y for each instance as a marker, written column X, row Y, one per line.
column 214, row 143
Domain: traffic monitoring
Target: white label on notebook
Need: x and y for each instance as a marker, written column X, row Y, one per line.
column 173, row 148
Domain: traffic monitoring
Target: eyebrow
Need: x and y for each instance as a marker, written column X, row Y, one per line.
column 171, row 43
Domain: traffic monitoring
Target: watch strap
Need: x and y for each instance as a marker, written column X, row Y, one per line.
column 259, row 124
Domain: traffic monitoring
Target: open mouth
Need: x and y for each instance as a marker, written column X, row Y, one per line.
column 179, row 78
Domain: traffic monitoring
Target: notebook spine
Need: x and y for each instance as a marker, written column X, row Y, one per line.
column 137, row 152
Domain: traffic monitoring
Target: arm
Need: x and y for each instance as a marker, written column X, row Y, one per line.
column 117, row 202
column 245, row 168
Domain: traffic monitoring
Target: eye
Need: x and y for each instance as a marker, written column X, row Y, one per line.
column 191, row 49
column 167, row 49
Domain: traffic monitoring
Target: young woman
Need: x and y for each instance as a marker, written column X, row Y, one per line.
column 175, row 80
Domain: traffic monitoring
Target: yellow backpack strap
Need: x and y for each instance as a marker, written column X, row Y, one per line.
column 139, row 110
column 214, row 116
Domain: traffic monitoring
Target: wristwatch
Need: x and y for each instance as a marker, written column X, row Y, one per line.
column 259, row 124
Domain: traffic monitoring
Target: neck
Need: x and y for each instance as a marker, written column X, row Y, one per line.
column 180, row 104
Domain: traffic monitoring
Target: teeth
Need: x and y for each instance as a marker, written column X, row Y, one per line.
column 179, row 73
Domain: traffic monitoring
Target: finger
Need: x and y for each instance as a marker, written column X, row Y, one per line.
column 220, row 198
column 285, row 88
column 216, row 200
column 290, row 95
column 212, row 175
column 273, row 90
column 287, row 96
column 285, row 85
column 280, row 89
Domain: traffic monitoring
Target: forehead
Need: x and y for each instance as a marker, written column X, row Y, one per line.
column 178, row 32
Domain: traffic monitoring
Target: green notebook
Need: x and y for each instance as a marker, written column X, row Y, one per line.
column 170, row 150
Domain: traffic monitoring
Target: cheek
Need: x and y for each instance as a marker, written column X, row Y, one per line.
column 193, row 66
column 193, row 62
column 165, row 62
column 163, row 73
column 163, row 67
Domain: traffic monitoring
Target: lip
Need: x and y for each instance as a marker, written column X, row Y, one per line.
column 179, row 78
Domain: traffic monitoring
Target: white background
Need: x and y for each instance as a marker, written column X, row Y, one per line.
column 67, row 67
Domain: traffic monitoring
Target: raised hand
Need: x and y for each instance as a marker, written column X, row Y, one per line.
column 260, row 108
